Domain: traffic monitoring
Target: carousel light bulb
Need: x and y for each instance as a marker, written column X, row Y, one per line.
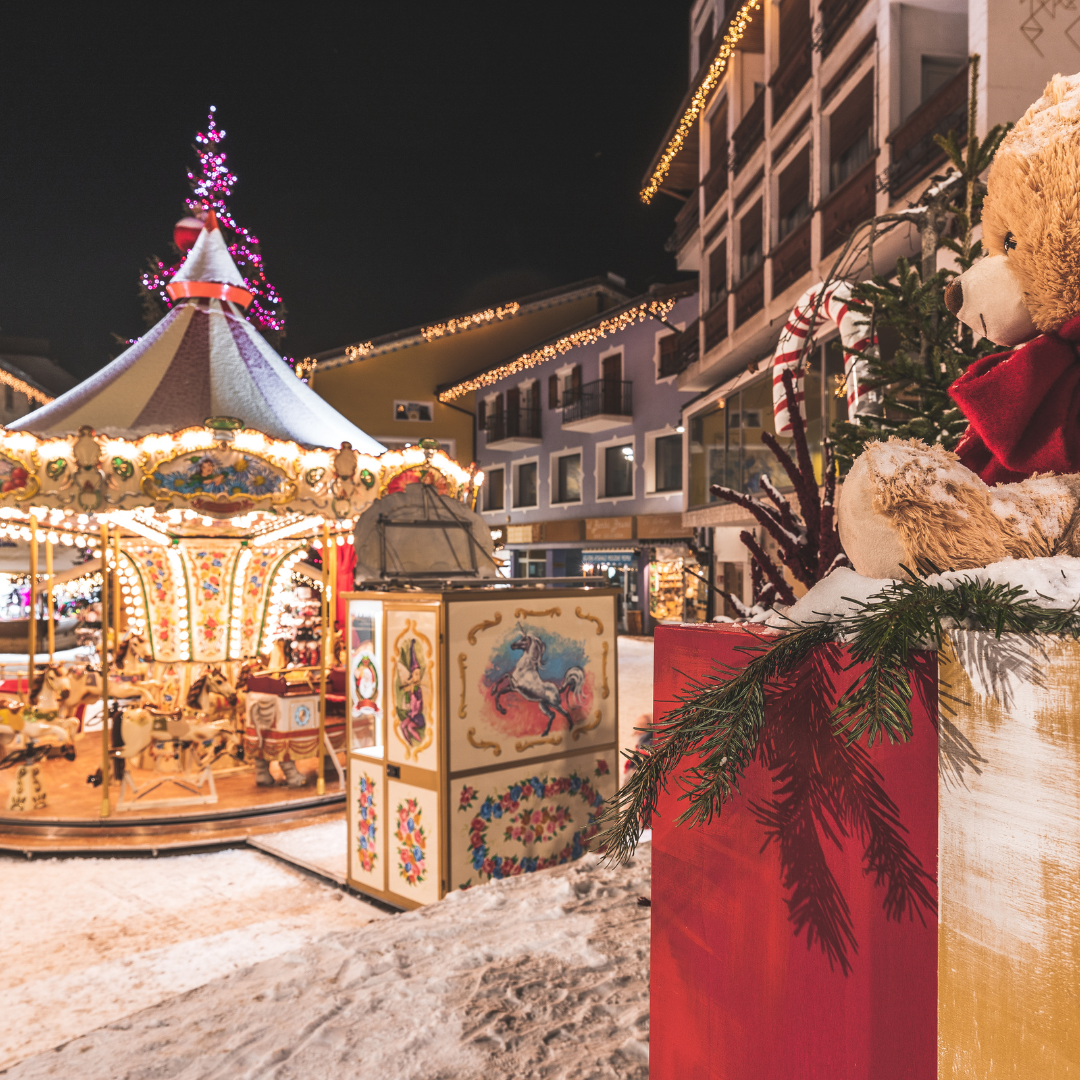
column 83, row 519
column 53, row 538
column 189, row 514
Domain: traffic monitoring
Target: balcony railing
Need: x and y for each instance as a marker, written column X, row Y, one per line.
column 792, row 258
column 716, row 322
column 524, row 423
column 605, row 397
column 749, row 134
column 686, row 223
column 836, row 17
column 852, row 203
column 915, row 155
column 750, row 295
column 791, row 76
column 715, row 184
column 683, row 352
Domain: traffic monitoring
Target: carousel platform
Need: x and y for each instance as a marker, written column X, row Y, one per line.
column 71, row 822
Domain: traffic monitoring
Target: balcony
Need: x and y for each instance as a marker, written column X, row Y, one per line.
column 750, row 133
column 716, row 323
column 750, row 295
column 715, row 184
column 684, row 351
column 852, row 203
column 836, row 17
column 686, row 224
column 598, row 406
column 791, row 76
column 514, row 430
column 915, row 155
column 791, row 259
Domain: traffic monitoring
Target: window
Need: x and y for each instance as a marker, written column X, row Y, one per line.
column 718, row 274
column 750, row 249
column 705, row 39
column 937, row 71
column 668, row 463
column 794, row 193
column 481, row 414
column 851, row 132
column 494, row 495
column 553, row 391
column 572, row 386
column 413, row 410
column 568, row 478
column 534, row 564
column 525, row 484
column 619, row 471
column 794, row 26
column 718, row 138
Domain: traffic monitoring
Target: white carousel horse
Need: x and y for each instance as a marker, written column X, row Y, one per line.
column 49, row 699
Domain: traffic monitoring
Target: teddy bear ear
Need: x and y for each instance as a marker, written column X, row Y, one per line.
column 1054, row 116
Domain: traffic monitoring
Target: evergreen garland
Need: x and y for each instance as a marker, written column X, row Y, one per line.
column 719, row 720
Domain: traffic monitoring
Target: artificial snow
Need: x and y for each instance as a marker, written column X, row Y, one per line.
column 834, row 597
column 541, row 975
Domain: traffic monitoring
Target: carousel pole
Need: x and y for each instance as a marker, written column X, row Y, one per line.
column 31, row 636
column 116, row 584
column 49, row 596
column 320, row 782
column 106, row 732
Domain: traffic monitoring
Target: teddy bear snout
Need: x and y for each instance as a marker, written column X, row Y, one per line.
column 954, row 297
column 992, row 302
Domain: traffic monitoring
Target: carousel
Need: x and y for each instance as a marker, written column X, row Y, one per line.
column 207, row 499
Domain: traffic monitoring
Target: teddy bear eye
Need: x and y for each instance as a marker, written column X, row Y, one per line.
column 1010, row 243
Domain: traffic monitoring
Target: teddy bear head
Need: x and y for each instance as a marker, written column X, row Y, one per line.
column 1029, row 281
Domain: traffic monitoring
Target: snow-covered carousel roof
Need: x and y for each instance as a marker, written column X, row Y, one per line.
column 203, row 360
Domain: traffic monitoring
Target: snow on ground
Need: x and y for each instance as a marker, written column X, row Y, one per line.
column 635, row 687
column 543, row 975
column 91, row 941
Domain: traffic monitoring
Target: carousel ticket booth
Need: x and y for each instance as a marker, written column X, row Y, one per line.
column 484, row 723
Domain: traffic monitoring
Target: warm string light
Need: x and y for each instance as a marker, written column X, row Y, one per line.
column 655, row 309
column 467, row 322
column 358, row 352
column 236, row 606
column 734, row 35
column 305, row 368
column 131, row 597
column 278, row 588
column 21, row 387
column 210, row 189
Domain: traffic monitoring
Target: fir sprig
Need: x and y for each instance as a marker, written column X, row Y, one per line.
column 718, row 721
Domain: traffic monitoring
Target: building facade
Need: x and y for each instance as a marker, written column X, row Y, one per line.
column 28, row 378
column 581, row 444
column 803, row 119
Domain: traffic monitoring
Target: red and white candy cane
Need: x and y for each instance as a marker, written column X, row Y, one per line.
column 854, row 329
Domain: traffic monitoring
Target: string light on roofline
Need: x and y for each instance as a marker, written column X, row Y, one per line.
column 467, row 322
column 736, row 32
column 21, row 387
column 655, row 309
column 358, row 352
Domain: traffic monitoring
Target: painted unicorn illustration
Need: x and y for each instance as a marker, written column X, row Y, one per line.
column 526, row 680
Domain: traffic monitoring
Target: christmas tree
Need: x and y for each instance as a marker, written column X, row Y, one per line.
column 921, row 347
column 211, row 187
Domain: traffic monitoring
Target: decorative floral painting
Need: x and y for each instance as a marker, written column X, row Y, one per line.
column 537, row 682
column 412, row 842
column 413, row 690
column 209, row 584
column 227, row 473
column 529, row 824
column 14, row 477
column 367, row 820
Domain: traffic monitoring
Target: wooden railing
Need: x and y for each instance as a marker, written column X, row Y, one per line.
column 684, row 353
column 791, row 259
column 715, row 183
column 750, row 295
column 915, row 155
column 750, row 133
column 851, row 204
column 792, row 74
column 686, row 224
column 836, row 17
column 716, row 323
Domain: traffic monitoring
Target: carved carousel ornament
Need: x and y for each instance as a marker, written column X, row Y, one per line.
column 193, row 476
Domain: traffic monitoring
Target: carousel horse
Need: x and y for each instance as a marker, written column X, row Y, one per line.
column 133, row 655
column 140, row 727
column 49, row 695
column 214, row 698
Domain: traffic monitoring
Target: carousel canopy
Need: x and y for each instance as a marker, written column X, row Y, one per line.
column 203, row 360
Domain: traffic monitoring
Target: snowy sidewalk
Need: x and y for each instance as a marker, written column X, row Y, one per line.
column 542, row 975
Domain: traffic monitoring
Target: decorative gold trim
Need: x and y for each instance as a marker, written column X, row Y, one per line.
column 592, row 618
column 527, row 744
column 487, row 624
column 578, row 732
column 525, row 612
column 605, row 690
column 461, row 667
column 482, row 744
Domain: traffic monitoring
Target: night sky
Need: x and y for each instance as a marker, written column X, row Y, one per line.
column 399, row 162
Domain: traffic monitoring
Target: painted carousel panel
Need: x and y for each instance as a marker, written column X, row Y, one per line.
column 366, row 680
column 413, row 841
column 527, row 816
column 412, row 638
column 367, row 824
column 529, row 676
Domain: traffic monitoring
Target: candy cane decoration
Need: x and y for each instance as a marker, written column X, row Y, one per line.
column 854, row 329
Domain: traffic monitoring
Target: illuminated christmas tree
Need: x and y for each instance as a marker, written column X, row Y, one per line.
column 211, row 187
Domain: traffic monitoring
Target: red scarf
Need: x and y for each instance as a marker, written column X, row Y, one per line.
column 1023, row 409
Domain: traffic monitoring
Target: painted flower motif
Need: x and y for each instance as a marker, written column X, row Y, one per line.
column 412, row 842
column 601, row 767
column 468, row 797
column 366, row 821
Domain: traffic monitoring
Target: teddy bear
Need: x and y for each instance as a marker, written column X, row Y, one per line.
column 1012, row 488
